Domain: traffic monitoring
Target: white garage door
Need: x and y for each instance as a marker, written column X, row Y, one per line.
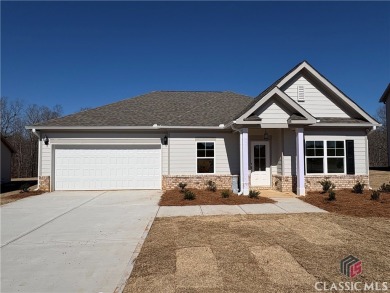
column 107, row 167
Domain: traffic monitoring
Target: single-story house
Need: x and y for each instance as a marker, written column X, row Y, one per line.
column 298, row 131
column 385, row 96
column 6, row 157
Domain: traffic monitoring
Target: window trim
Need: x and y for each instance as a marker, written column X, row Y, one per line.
column 196, row 156
column 325, row 157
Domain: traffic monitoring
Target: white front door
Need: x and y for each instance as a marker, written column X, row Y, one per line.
column 260, row 164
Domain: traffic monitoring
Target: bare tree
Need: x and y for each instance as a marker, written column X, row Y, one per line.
column 377, row 141
column 10, row 114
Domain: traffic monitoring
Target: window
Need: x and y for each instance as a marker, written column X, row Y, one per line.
column 314, row 157
column 205, row 157
column 325, row 160
column 259, row 157
column 335, row 152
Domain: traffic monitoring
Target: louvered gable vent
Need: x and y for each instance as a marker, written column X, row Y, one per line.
column 301, row 93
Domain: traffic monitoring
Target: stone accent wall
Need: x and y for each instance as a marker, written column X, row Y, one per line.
column 284, row 183
column 289, row 183
column 196, row 181
column 44, row 183
column 341, row 181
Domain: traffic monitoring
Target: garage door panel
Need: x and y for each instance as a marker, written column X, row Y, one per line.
column 107, row 167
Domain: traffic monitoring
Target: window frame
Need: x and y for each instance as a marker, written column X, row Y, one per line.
column 196, row 156
column 325, row 157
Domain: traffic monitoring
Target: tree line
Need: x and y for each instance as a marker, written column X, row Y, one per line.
column 15, row 115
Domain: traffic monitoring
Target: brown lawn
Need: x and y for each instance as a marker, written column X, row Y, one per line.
column 258, row 253
column 378, row 177
column 349, row 203
column 204, row 197
column 17, row 196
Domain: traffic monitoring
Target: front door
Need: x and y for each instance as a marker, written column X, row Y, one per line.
column 260, row 164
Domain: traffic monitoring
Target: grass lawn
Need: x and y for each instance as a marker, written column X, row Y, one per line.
column 258, row 253
column 17, row 196
column 205, row 197
column 349, row 203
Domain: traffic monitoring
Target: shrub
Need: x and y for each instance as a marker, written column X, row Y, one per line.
column 327, row 185
column 385, row 187
column 182, row 186
column 253, row 194
column 358, row 187
column 331, row 195
column 25, row 187
column 211, row 186
column 375, row 195
column 189, row 195
column 225, row 193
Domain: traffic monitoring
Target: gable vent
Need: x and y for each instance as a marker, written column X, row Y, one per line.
column 301, row 93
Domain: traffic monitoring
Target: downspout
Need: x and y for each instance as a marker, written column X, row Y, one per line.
column 38, row 134
column 241, row 168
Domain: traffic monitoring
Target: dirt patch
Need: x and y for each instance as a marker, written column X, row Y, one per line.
column 244, row 257
column 204, row 197
column 349, row 203
column 378, row 177
column 15, row 197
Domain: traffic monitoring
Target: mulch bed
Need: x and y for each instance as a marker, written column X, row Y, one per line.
column 15, row 197
column 352, row 204
column 205, row 197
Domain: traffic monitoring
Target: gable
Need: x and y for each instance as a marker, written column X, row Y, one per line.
column 315, row 102
column 273, row 112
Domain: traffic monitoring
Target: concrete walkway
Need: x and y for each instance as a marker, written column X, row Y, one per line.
column 80, row 241
column 284, row 205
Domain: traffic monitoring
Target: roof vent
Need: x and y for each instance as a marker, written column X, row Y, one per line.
column 301, row 93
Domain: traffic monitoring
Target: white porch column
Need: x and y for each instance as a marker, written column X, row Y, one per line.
column 244, row 160
column 300, row 157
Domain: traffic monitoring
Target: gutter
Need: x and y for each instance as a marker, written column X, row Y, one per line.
column 154, row 127
column 241, row 167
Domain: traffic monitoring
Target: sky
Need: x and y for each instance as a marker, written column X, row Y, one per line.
column 88, row 54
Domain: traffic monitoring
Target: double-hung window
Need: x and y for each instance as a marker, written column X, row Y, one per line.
column 205, row 157
column 325, row 157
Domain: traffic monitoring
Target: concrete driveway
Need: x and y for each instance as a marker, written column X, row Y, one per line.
column 81, row 241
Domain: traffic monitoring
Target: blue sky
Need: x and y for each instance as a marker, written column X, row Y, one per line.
column 87, row 54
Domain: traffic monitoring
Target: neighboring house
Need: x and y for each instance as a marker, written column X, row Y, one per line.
column 383, row 99
column 6, row 156
column 298, row 131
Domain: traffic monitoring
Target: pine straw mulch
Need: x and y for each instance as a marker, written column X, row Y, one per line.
column 353, row 204
column 205, row 197
column 258, row 253
column 17, row 196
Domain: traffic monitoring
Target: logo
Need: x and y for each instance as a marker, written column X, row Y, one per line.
column 351, row 266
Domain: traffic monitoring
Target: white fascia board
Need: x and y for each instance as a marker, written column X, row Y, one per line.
column 159, row 127
column 329, row 86
column 284, row 97
column 345, row 125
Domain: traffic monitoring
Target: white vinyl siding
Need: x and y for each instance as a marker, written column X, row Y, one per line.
column 289, row 154
column 273, row 113
column 315, row 102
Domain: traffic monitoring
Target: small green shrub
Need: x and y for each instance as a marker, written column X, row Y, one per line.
column 358, row 187
column 385, row 187
column 225, row 193
column 327, row 185
column 253, row 194
column 25, row 187
column 189, row 195
column 375, row 195
column 331, row 195
column 211, row 186
column 182, row 186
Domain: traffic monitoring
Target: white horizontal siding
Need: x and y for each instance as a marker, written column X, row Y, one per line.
column 289, row 159
column 46, row 159
column 316, row 103
column 273, row 113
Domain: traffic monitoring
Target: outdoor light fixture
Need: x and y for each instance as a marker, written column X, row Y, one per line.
column 165, row 140
column 266, row 135
column 46, row 140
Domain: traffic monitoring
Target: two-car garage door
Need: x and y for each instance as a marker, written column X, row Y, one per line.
column 107, row 167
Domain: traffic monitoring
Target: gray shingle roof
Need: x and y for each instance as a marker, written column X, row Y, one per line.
column 339, row 120
column 168, row 108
